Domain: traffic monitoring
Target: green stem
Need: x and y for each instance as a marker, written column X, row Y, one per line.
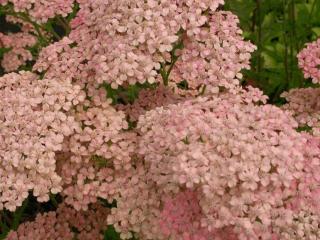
column 75, row 10
column 285, row 43
column 174, row 58
column 37, row 27
column 293, row 17
column 50, row 29
column 259, row 37
column 292, row 34
column 165, row 74
column 312, row 8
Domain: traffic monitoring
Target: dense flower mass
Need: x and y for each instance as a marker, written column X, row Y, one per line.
column 34, row 123
column 181, row 216
column 304, row 103
column 95, row 153
column 246, row 164
column 213, row 55
column 18, row 53
column 309, row 61
column 149, row 99
column 41, row 10
column 186, row 153
column 137, row 41
column 62, row 223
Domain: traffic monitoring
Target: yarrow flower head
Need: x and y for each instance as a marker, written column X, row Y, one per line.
column 243, row 162
column 214, row 55
column 18, row 53
column 41, row 10
column 147, row 100
column 309, row 61
column 34, row 123
column 91, row 157
column 130, row 42
column 304, row 103
column 195, row 157
column 181, row 216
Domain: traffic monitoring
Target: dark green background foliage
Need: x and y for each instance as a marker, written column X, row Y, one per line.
column 280, row 29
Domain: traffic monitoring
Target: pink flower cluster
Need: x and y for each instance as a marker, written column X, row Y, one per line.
column 18, row 54
column 214, row 55
column 304, row 103
column 42, row 10
column 309, row 61
column 94, row 154
column 246, row 163
column 149, row 99
column 181, row 217
column 133, row 41
column 61, row 225
column 223, row 165
column 34, row 122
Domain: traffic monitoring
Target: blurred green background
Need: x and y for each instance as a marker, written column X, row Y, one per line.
column 280, row 29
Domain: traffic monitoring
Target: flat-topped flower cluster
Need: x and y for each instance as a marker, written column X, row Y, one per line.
column 309, row 61
column 210, row 160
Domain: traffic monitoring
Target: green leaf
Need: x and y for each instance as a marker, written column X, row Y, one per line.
column 316, row 30
column 111, row 234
